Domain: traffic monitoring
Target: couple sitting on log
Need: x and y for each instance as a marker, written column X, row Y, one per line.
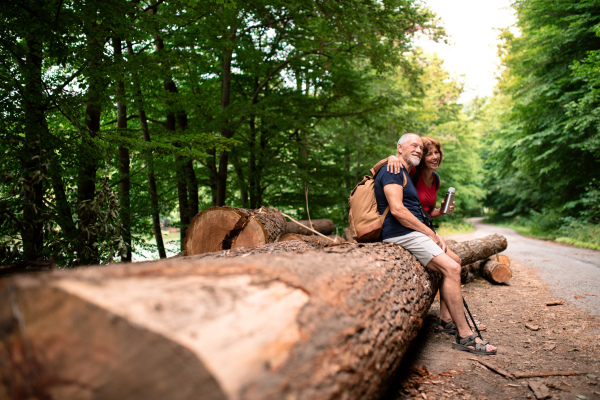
column 405, row 225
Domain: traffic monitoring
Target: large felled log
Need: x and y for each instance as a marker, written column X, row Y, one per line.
column 328, row 323
column 478, row 249
column 312, row 238
column 284, row 320
column 222, row 228
column 324, row 226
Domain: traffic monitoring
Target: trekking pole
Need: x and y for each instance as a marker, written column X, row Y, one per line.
column 472, row 319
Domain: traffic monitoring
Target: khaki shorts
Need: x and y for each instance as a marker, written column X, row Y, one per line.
column 419, row 244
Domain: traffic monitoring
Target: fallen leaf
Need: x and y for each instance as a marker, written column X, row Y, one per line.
column 591, row 376
column 532, row 327
column 555, row 303
column 574, row 349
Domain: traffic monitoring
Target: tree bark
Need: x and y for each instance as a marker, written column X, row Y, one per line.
column 324, row 226
column 318, row 240
column 478, row 249
column 259, row 327
column 283, row 320
column 222, row 228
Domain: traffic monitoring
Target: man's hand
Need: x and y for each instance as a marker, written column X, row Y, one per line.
column 441, row 242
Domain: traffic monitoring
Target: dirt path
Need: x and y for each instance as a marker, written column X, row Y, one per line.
column 567, row 339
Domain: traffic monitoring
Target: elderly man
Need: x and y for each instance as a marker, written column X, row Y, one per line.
column 404, row 225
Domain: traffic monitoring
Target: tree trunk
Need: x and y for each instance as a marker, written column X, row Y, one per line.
column 324, row 226
column 32, row 173
column 495, row 272
column 222, row 228
column 89, row 157
column 183, row 172
column 149, row 156
column 284, row 320
column 123, row 157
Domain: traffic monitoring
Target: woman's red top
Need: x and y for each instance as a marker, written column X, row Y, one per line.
column 427, row 195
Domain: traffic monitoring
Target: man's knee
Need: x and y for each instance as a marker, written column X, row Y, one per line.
column 446, row 265
column 454, row 269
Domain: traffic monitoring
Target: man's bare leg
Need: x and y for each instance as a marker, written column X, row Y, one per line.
column 450, row 293
column 444, row 312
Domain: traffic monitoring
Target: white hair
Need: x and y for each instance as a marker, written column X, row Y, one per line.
column 404, row 138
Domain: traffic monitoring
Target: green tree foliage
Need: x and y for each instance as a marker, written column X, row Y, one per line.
column 544, row 153
column 115, row 113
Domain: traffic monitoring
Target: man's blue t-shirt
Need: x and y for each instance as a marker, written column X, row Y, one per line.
column 391, row 227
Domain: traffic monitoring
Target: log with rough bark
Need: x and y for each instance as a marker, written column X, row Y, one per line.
column 312, row 238
column 478, row 249
column 222, row 228
column 283, row 320
column 469, row 271
column 495, row 271
column 324, row 226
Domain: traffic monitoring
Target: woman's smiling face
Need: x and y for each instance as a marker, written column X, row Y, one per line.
column 433, row 158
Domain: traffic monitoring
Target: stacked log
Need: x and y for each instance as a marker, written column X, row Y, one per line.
column 222, row 228
column 489, row 268
column 283, row 320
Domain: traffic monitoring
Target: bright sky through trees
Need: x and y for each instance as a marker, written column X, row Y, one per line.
column 473, row 29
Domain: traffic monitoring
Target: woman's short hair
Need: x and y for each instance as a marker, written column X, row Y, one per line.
column 429, row 141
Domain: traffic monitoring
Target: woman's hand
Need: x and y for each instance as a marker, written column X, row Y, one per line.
column 450, row 209
column 394, row 165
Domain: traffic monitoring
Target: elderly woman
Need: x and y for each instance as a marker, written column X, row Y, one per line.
column 427, row 183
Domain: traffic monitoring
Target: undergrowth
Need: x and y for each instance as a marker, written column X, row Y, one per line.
column 552, row 226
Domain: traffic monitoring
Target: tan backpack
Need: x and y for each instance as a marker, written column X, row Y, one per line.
column 364, row 219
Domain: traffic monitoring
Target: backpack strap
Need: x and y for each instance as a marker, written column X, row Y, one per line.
column 436, row 178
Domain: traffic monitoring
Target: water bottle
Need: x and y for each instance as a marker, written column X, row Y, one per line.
column 448, row 200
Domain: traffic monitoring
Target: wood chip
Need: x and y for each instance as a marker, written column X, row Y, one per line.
column 565, row 383
column 579, row 297
column 555, row 303
column 540, row 391
column 532, row 327
column 513, row 385
column 549, row 347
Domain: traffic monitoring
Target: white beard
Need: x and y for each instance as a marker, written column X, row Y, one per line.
column 413, row 161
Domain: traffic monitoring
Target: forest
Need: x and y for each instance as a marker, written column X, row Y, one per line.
column 123, row 118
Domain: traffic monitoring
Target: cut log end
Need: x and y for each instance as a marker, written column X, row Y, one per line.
column 224, row 228
column 496, row 272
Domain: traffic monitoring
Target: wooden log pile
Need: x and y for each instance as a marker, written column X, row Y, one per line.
column 223, row 228
column 283, row 320
column 495, row 269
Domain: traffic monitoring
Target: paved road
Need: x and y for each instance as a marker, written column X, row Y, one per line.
column 569, row 271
